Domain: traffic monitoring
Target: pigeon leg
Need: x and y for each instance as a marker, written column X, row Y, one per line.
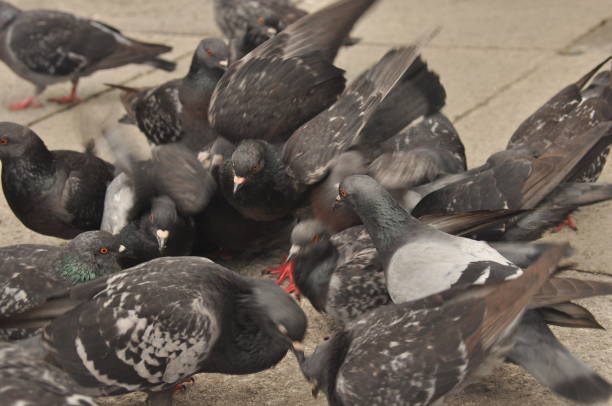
column 568, row 222
column 22, row 105
column 181, row 386
column 163, row 398
column 284, row 271
column 70, row 98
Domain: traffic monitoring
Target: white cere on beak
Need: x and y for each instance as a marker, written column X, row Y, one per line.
column 223, row 63
column 272, row 31
column 162, row 233
column 121, row 248
column 239, row 180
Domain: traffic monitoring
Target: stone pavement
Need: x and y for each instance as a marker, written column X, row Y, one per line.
column 499, row 61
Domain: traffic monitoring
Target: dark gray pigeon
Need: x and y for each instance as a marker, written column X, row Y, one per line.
column 418, row 154
column 150, row 205
column 235, row 17
column 172, row 112
column 46, row 47
column 175, row 317
column 287, row 80
column 31, row 274
column 571, row 112
column 418, row 352
column 264, row 185
column 56, row 193
column 406, row 247
column 27, row 380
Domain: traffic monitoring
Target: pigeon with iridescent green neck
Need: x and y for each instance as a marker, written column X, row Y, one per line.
column 31, row 273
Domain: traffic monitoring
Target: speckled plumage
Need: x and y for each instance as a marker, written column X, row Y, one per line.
column 47, row 47
column 30, row 274
column 154, row 325
column 27, row 380
column 57, row 193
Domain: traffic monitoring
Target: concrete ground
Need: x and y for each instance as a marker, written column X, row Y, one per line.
column 499, row 61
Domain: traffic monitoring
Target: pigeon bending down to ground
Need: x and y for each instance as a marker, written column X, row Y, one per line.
column 46, row 47
column 151, row 204
column 264, row 184
column 172, row 112
column 287, row 80
column 31, row 274
column 56, row 193
column 418, row 352
column 175, row 317
column 27, row 380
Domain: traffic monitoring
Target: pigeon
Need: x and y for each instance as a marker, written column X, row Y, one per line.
column 27, row 380
column 570, row 112
column 341, row 274
column 418, row 154
column 175, row 317
column 264, row 185
column 46, row 47
column 172, row 112
column 235, row 17
column 418, row 352
column 150, row 205
column 517, row 179
column 56, row 193
column 287, row 80
column 32, row 273
column 406, row 247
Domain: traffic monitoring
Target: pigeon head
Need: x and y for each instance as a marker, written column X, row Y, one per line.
column 365, row 195
column 264, row 28
column 8, row 12
column 17, row 140
column 162, row 218
column 90, row 255
column 305, row 234
column 281, row 309
column 321, row 368
column 212, row 53
column 248, row 162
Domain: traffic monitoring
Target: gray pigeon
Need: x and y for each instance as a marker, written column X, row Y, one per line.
column 172, row 112
column 406, row 247
column 56, row 193
column 46, row 47
column 418, row 352
column 27, row 380
column 175, row 317
column 31, row 274
column 286, row 81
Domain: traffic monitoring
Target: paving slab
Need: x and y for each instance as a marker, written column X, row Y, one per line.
column 498, row 60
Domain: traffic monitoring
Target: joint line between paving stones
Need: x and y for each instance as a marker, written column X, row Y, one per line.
column 591, row 272
column 498, row 92
column 102, row 92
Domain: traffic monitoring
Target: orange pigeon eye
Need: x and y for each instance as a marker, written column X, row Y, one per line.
column 4, row 140
column 209, row 52
column 315, row 239
column 256, row 168
column 343, row 193
column 261, row 20
column 103, row 250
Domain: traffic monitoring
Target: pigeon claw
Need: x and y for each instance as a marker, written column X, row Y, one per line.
column 568, row 222
column 179, row 387
column 27, row 103
column 285, row 271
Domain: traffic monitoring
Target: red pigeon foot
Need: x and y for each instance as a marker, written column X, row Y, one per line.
column 22, row 105
column 72, row 97
column 181, row 386
column 568, row 222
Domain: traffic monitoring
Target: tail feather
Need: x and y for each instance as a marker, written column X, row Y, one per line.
column 559, row 290
column 538, row 351
column 162, row 64
column 569, row 315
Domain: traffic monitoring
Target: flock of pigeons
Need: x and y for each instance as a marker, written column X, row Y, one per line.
column 261, row 143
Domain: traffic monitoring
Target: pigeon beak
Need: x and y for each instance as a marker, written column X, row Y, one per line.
column 338, row 203
column 162, row 238
column 121, row 248
column 223, row 63
column 295, row 249
column 238, row 182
